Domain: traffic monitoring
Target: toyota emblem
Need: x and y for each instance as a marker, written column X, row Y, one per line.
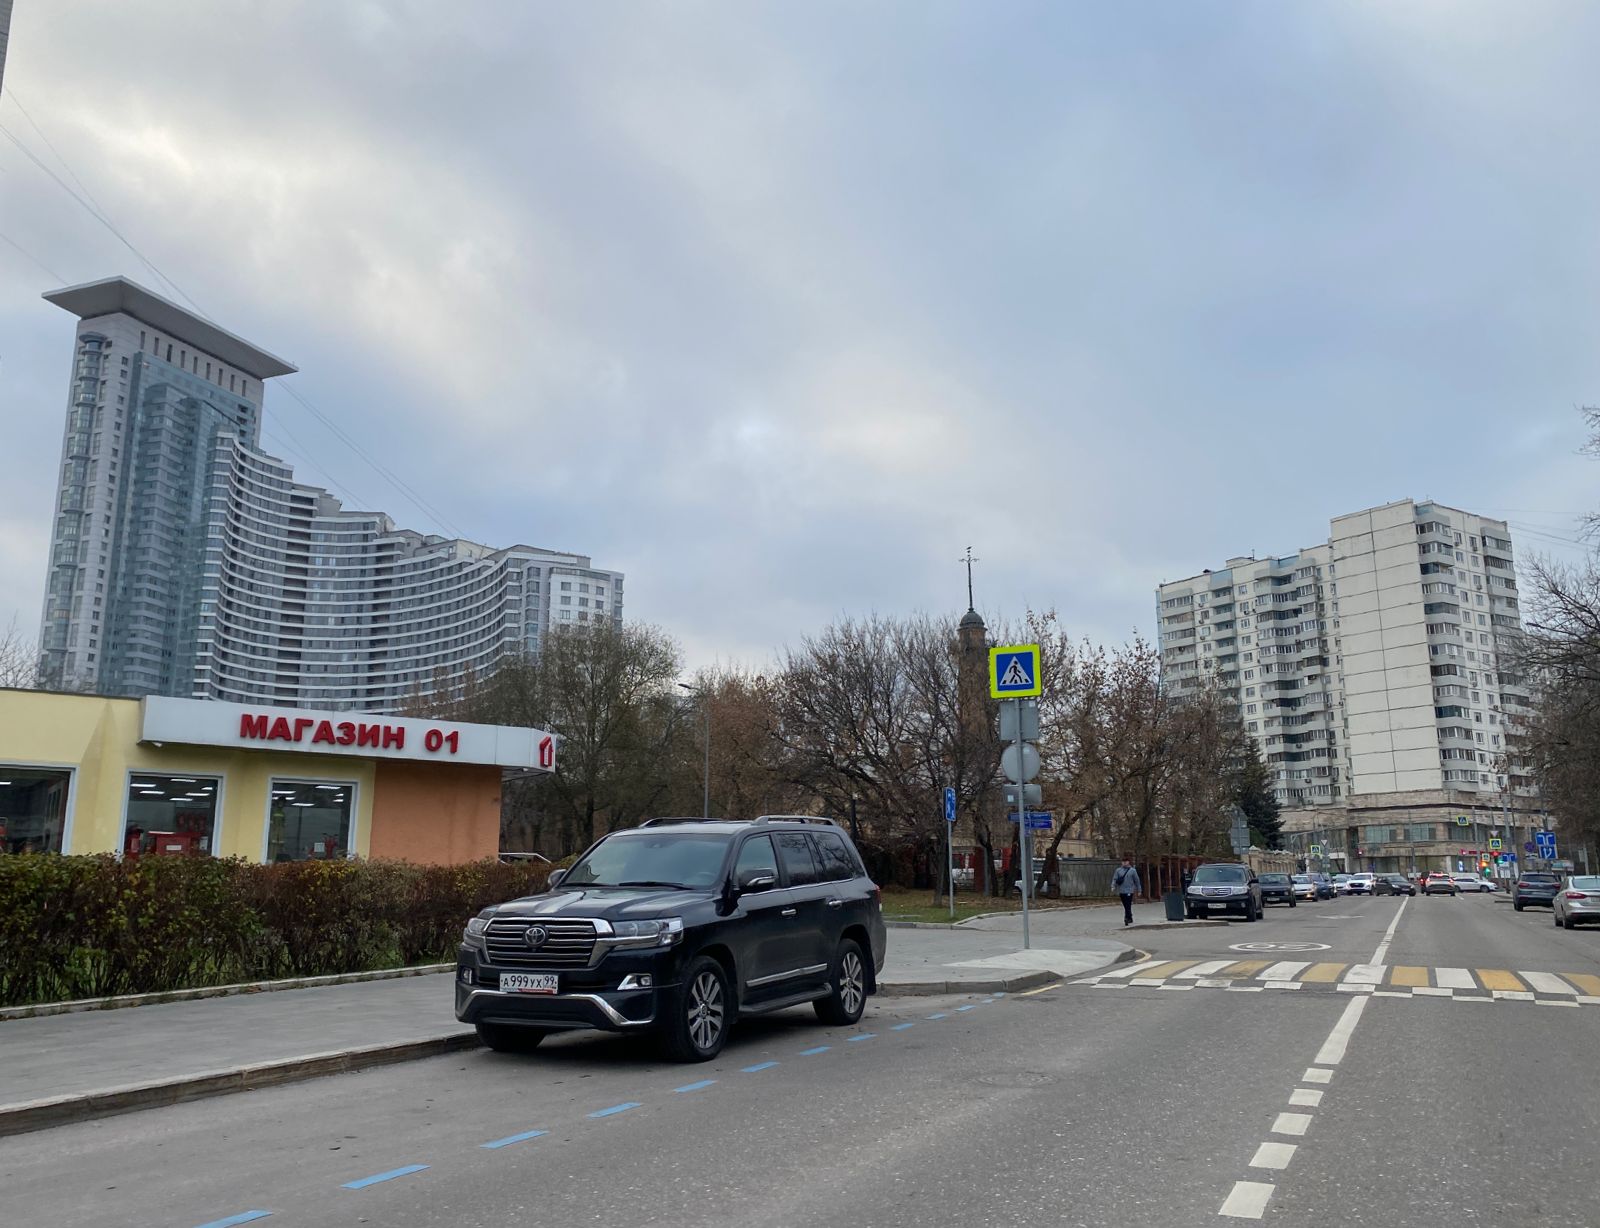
column 535, row 936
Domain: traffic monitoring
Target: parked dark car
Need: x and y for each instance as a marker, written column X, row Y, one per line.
column 679, row 927
column 1223, row 887
column 1393, row 884
column 1276, row 889
column 1535, row 887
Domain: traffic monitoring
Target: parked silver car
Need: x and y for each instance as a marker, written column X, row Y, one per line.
column 1578, row 900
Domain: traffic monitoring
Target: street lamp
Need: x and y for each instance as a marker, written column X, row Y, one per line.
column 706, row 707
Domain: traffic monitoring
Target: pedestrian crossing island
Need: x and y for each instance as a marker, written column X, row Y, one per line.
column 1382, row 980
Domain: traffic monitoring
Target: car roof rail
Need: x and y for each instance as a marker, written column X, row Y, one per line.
column 663, row 820
column 796, row 818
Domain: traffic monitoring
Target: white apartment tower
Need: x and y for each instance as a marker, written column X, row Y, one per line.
column 1375, row 664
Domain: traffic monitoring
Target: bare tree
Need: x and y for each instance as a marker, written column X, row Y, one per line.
column 19, row 659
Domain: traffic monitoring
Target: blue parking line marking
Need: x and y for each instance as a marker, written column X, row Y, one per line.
column 616, row 1108
column 939, row 1016
column 512, row 1138
column 388, row 1176
column 970, row 1006
column 244, row 1217
column 901, row 1027
column 850, row 1040
column 814, row 1052
column 694, row 1087
column 759, row 1066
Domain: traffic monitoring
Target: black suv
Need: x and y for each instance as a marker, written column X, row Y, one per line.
column 1224, row 885
column 1276, row 889
column 679, row 927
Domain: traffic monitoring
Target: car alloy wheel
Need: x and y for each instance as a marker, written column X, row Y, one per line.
column 847, row 988
column 706, row 1007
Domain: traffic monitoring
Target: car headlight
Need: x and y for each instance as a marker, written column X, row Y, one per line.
column 475, row 929
column 661, row 932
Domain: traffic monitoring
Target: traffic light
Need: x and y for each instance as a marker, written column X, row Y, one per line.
column 1483, row 864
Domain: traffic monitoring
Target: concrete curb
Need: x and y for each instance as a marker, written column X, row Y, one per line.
column 1011, row 984
column 61, row 1110
column 39, row 1009
column 1171, row 925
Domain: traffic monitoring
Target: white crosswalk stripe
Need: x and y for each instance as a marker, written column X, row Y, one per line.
column 1132, row 969
column 1203, row 970
column 1547, row 982
column 1286, row 971
column 1366, row 974
column 1454, row 978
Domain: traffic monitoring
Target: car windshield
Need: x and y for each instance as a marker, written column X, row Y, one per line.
column 1341, row 878
column 1219, row 874
column 1302, row 878
column 653, row 859
column 1274, row 880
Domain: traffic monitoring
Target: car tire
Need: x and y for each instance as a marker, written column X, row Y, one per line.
column 847, row 987
column 1249, row 910
column 508, row 1038
column 1566, row 923
column 697, row 1027
column 1517, row 905
column 1292, row 903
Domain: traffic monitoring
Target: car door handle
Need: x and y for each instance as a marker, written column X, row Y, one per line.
column 787, row 912
column 835, row 903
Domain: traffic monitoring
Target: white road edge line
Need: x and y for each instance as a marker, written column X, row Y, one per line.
column 1388, row 934
column 1313, row 1075
column 1305, row 1097
column 1332, row 1051
column 1247, row 1200
column 1292, row 1123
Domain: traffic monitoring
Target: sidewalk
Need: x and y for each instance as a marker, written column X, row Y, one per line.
column 74, row 1066
column 1051, row 925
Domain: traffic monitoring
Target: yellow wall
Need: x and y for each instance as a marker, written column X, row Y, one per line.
column 99, row 737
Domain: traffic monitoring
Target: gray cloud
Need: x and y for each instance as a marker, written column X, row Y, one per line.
column 779, row 308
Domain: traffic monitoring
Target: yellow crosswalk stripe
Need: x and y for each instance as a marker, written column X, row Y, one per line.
column 1499, row 978
column 1324, row 973
column 1589, row 984
column 1401, row 974
column 1245, row 967
column 1162, row 971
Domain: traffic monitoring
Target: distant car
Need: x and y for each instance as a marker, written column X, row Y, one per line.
column 513, row 858
column 1439, row 883
column 1341, row 884
column 1361, row 884
column 1277, row 889
column 1306, row 887
column 1535, row 887
column 1325, row 888
column 1577, row 901
column 1393, row 884
column 1472, row 882
column 1223, row 887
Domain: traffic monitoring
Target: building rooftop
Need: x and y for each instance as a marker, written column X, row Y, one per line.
column 117, row 294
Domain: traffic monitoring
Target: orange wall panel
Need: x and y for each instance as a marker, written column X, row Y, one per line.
column 435, row 813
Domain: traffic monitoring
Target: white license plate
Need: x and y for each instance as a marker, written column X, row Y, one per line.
column 529, row 982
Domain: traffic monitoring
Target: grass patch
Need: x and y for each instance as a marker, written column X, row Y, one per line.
column 900, row 904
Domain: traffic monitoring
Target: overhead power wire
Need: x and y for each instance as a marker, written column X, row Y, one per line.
column 36, row 261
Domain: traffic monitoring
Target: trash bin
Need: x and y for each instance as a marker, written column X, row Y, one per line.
column 1174, row 902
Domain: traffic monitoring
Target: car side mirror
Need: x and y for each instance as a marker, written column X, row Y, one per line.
column 758, row 878
column 555, row 879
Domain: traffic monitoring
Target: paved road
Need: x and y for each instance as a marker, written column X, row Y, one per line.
column 1074, row 1106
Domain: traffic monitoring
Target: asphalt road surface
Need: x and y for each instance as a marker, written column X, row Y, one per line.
column 1387, row 1061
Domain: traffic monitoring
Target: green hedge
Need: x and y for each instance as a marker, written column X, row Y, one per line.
column 90, row 927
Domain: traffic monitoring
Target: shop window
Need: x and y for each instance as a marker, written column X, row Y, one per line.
column 33, row 809
column 170, row 814
column 310, row 819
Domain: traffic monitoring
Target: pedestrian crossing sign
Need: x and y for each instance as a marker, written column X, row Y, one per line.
column 1014, row 671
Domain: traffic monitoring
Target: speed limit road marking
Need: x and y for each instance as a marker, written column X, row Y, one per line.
column 1280, row 946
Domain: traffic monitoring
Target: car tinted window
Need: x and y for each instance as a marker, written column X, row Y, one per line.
column 1539, row 878
column 794, row 851
column 832, row 856
column 756, row 854
column 652, row 856
column 1276, row 880
column 1220, row 874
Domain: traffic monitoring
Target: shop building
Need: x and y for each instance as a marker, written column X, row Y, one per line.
column 162, row 775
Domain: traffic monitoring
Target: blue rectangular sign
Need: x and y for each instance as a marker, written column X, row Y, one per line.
column 949, row 805
column 1038, row 820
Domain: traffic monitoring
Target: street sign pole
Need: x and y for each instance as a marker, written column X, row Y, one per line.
column 1024, row 836
column 950, row 845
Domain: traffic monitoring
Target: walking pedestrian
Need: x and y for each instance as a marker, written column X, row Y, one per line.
column 1125, row 882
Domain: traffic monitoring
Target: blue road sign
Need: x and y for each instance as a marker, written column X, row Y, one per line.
column 1014, row 671
column 1038, row 820
column 1546, row 840
column 949, row 805
column 1527, row 846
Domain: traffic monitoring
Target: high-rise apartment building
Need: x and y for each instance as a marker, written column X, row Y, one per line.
column 187, row 561
column 1374, row 664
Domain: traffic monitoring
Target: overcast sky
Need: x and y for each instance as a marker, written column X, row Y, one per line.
column 778, row 307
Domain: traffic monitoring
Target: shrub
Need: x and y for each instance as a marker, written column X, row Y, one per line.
column 84, row 927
